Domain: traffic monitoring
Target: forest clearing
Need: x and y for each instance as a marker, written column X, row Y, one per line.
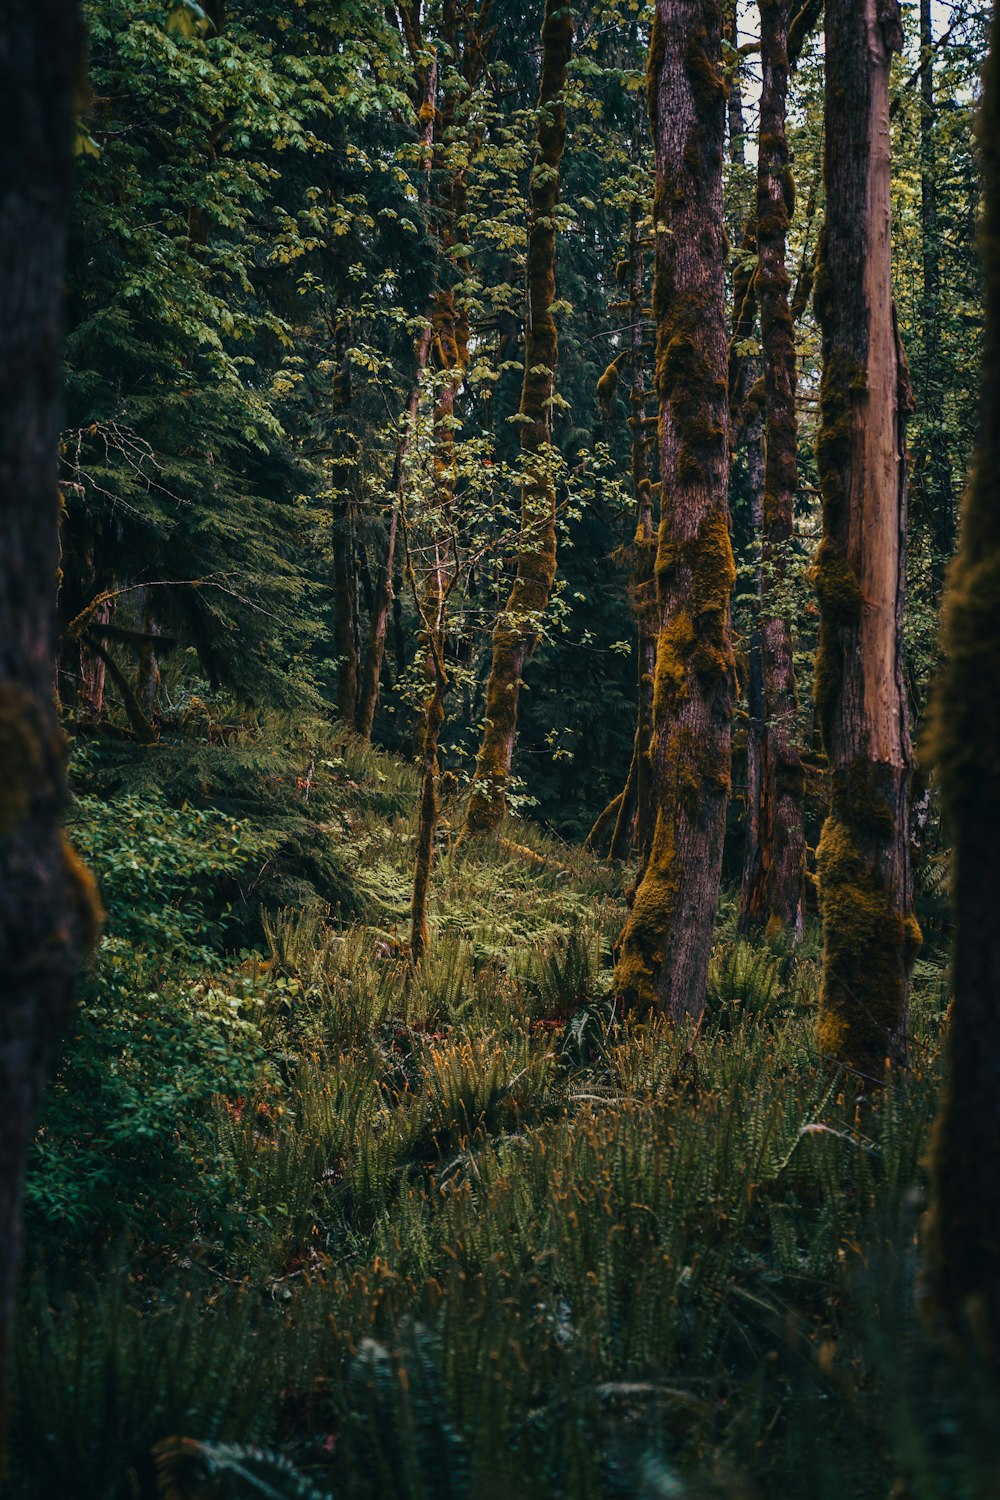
column 499, row 697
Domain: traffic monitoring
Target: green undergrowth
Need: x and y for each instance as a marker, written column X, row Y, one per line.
column 306, row 1220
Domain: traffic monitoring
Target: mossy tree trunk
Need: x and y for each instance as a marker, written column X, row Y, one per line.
column 48, row 904
column 773, row 895
column 866, row 898
column 665, row 944
column 516, row 631
column 963, row 742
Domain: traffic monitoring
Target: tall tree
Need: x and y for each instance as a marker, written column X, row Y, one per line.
column 866, row 897
column 48, row 904
column 667, row 936
column 773, row 893
column 517, row 629
column 963, row 741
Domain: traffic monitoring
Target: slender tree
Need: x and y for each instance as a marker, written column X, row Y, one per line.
column 869, row 931
column 517, row 629
column 424, row 100
column 665, row 944
column 773, row 892
column 963, row 740
column 48, row 904
column 345, row 604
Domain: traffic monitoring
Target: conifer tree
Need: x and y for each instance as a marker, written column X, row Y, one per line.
column 773, row 893
column 866, row 896
column 963, row 742
column 665, row 944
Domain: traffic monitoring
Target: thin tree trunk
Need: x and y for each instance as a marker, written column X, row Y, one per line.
column 148, row 675
column 964, row 1229
column 90, row 705
column 666, row 940
column 866, row 898
column 516, row 631
column 644, row 545
column 49, row 911
column 627, row 803
column 371, row 673
column 344, row 640
column 774, row 899
column 753, row 828
column 937, row 484
column 431, row 723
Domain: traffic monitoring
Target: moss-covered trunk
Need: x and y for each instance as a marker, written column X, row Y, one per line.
column 773, row 895
column 666, row 940
column 48, row 904
column 517, row 628
column 863, row 860
column 964, row 742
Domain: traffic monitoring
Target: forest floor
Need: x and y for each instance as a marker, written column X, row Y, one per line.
column 305, row 1220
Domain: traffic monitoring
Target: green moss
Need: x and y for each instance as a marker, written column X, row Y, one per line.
column 641, row 959
column 708, row 85
column 607, row 386
column 837, row 587
column 870, row 939
column 85, row 898
column 654, row 65
column 22, row 755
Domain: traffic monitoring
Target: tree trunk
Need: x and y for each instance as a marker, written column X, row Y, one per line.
column 90, row 703
column 432, row 720
column 516, row 631
column 937, row 486
column 773, row 899
column 371, row 673
column 49, row 909
column 866, row 898
column 964, row 1229
column 344, row 638
column 666, row 940
column 753, row 832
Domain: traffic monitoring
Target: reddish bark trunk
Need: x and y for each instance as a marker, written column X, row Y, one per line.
column 866, row 897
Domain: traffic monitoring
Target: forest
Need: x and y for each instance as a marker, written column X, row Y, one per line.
column 499, row 786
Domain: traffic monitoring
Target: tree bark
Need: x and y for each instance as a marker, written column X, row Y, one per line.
column 516, row 631
column 773, row 896
column 964, row 1230
column 665, row 944
column 49, row 909
column 866, row 897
